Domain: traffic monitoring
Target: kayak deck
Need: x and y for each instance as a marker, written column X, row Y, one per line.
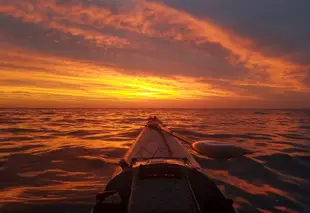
column 155, row 143
column 160, row 176
column 154, row 193
column 163, row 188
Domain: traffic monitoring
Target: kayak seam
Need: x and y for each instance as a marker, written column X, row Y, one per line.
column 164, row 139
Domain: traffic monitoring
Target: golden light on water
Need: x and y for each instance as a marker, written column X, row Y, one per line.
column 68, row 155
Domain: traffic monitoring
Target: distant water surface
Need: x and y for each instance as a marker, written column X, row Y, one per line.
column 56, row 160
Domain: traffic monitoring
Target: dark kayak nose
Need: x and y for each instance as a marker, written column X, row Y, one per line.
column 162, row 188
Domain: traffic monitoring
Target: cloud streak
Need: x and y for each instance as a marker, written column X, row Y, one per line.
column 36, row 13
column 57, row 77
column 147, row 18
column 136, row 31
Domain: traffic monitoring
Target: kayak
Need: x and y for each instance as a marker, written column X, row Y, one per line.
column 159, row 175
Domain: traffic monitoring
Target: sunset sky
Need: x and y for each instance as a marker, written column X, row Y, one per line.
column 141, row 53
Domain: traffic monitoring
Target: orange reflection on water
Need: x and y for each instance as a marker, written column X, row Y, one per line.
column 251, row 188
column 11, row 194
column 73, row 152
column 285, row 209
column 62, row 191
column 239, row 200
column 264, row 211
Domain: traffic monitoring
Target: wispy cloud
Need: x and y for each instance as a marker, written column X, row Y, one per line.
column 149, row 29
column 158, row 20
column 45, row 75
column 38, row 13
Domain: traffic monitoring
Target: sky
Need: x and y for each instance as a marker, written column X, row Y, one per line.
column 151, row 53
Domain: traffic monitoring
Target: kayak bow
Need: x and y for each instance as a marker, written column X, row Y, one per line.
column 159, row 175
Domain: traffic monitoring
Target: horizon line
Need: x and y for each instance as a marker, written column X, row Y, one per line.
column 185, row 108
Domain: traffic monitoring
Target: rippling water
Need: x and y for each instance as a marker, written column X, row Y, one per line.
column 58, row 159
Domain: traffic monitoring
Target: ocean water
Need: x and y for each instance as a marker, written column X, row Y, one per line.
column 56, row 160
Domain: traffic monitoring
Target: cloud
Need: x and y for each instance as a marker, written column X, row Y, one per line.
column 161, row 21
column 35, row 13
column 197, row 55
column 158, row 57
column 99, row 38
column 280, row 25
column 54, row 76
column 280, row 71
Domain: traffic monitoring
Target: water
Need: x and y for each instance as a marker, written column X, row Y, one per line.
column 58, row 159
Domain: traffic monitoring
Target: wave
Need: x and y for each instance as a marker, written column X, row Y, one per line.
column 81, row 133
column 307, row 127
column 287, row 164
column 261, row 113
column 19, row 148
column 66, row 155
column 224, row 136
column 16, row 138
column 16, row 130
column 295, row 136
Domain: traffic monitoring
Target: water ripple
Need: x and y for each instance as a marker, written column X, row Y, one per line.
column 58, row 159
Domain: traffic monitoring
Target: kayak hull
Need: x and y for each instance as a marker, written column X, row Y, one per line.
column 159, row 175
column 154, row 143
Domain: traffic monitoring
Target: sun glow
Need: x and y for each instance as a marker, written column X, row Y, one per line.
column 36, row 77
column 77, row 54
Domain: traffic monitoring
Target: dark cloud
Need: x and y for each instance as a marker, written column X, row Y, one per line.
column 156, row 56
column 279, row 27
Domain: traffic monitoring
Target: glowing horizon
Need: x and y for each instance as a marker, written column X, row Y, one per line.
column 140, row 53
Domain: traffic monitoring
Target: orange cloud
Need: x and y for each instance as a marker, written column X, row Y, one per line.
column 147, row 17
column 38, row 14
column 38, row 77
column 281, row 72
column 92, row 35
